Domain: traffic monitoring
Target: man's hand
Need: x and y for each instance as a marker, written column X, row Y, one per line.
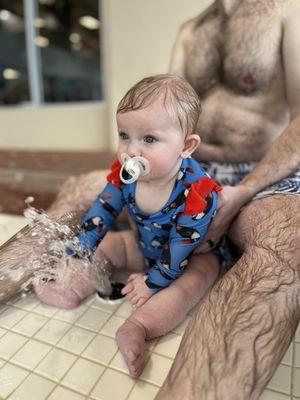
column 136, row 290
column 231, row 200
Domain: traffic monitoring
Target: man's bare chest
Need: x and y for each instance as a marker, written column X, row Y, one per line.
column 242, row 52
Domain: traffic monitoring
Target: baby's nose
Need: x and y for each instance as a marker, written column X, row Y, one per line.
column 134, row 150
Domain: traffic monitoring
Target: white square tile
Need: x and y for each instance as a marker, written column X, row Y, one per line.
column 125, row 310
column 93, row 319
column 281, row 380
column 52, row 331
column 296, row 382
column 168, row 345
column 70, row 315
column 55, row 364
column 270, row 395
column 10, row 344
column 11, row 316
column 143, row 390
column 119, row 363
column 34, row 387
column 113, row 385
column 104, row 306
column 101, row 349
column 10, row 377
column 288, row 357
column 31, row 354
column 30, row 324
column 2, row 332
column 76, row 340
column 83, row 376
column 61, row 393
column 297, row 335
column 112, row 325
column 46, row 310
column 27, row 301
column 297, row 355
column 156, row 369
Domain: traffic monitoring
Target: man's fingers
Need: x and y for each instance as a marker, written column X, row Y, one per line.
column 140, row 302
column 132, row 277
column 127, row 289
column 133, row 299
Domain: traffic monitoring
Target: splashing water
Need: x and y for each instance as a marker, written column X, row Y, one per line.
column 40, row 254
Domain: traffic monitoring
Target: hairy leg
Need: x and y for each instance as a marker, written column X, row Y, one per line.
column 241, row 331
column 164, row 311
column 75, row 197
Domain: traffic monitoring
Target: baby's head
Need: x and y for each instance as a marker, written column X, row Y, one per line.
column 176, row 96
column 157, row 120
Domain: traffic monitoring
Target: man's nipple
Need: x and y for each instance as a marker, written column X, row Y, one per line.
column 248, row 79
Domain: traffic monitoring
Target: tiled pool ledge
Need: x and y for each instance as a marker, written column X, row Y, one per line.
column 47, row 353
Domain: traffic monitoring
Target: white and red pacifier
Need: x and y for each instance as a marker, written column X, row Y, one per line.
column 134, row 166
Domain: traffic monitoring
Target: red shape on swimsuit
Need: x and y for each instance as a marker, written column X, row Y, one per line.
column 195, row 201
column 114, row 176
column 248, row 79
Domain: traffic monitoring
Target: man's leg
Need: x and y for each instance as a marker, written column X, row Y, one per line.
column 167, row 309
column 76, row 196
column 241, row 331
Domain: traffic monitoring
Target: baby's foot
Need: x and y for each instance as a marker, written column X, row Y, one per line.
column 131, row 339
column 52, row 294
column 70, row 287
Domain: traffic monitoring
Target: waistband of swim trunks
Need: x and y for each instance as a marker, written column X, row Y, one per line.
column 232, row 173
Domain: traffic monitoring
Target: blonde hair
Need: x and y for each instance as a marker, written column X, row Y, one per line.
column 180, row 99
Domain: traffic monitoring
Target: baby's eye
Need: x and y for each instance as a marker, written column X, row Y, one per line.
column 149, row 139
column 123, row 136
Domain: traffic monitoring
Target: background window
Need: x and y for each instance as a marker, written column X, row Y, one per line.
column 14, row 86
column 64, row 61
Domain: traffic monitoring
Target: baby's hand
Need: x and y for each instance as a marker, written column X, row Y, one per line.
column 136, row 290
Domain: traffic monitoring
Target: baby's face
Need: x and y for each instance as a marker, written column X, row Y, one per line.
column 151, row 133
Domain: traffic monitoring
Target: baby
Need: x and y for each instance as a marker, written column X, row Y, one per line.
column 171, row 200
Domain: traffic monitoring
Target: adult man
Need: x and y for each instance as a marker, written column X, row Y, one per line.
column 242, row 58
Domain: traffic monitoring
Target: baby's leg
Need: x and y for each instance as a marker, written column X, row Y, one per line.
column 165, row 310
column 118, row 250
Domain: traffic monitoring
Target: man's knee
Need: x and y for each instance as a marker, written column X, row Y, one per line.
column 272, row 224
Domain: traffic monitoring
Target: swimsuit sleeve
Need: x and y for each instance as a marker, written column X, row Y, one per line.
column 95, row 224
column 186, row 235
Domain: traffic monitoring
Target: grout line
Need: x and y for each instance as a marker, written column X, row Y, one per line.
column 293, row 368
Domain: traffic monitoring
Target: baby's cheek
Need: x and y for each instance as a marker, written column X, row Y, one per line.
column 159, row 166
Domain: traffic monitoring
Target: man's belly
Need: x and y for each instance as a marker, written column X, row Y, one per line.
column 236, row 128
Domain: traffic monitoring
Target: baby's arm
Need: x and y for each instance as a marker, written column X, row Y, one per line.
column 100, row 217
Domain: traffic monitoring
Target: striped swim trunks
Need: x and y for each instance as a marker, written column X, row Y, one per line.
column 232, row 174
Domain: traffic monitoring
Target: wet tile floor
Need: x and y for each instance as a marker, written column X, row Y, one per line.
column 47, row 353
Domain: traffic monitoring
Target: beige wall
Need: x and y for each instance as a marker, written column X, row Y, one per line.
column 65, row 127
column 138, row 36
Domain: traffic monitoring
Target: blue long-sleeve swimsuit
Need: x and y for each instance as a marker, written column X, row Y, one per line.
column 165, row 238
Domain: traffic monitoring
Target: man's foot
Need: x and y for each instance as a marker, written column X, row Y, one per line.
column 131, row 340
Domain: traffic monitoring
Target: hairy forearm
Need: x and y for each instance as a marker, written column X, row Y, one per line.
column 282, row 159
